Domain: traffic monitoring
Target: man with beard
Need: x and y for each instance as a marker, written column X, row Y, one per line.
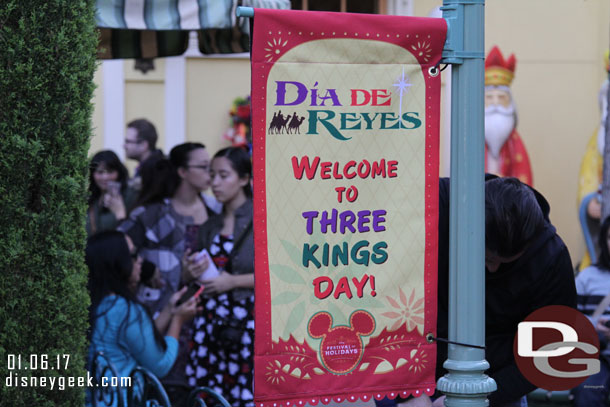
column 505, row 153
column 140, row 141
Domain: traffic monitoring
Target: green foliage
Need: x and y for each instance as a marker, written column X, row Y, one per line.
column 46, row 85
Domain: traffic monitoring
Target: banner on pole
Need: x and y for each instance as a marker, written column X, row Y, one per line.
column 345, row 120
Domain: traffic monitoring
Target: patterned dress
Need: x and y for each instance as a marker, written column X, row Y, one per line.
column 223, row 342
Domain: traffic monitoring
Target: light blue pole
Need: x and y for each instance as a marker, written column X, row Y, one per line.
column 466, row 384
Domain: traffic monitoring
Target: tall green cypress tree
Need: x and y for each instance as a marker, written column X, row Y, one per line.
column 47, row 61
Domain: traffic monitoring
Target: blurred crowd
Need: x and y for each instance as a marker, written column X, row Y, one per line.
column 171, row 267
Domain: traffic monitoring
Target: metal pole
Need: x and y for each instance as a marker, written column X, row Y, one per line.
column 466, row 384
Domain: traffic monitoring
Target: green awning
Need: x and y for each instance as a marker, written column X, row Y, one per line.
column 159, row 28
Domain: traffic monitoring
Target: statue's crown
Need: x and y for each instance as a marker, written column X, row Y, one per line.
column 499, row 71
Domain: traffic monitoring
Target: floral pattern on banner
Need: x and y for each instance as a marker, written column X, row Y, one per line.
column 411, row 311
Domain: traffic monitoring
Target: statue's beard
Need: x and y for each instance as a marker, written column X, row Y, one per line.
column 499, row 124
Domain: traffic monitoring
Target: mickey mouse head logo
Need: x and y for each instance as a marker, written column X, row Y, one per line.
column 341, row 348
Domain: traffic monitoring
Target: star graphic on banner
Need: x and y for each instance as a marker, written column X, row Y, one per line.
column 402, row 86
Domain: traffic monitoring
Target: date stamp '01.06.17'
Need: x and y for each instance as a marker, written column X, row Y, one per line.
column 22, row 369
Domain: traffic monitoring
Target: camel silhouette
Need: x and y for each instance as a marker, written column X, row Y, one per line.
column 278, row 123
column 295, row 124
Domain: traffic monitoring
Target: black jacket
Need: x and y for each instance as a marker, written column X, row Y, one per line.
column 542, row 276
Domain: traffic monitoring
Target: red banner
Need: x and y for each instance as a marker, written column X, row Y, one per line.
column 345, row 120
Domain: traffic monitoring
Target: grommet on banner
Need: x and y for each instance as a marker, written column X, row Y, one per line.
column 434, row 70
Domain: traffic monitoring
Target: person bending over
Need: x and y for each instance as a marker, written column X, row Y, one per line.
column 527, row 267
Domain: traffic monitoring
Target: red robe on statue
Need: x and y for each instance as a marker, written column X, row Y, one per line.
column 514, row 161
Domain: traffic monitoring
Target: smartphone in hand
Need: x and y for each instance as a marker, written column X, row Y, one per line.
column 194, row 290
column 114, row 188
column 190, row 237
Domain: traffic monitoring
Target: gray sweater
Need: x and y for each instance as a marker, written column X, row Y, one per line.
column 242, row 257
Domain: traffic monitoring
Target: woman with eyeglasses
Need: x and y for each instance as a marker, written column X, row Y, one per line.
column 163, row 225
column 223, row 341
column 120, row 326
column 109, row 196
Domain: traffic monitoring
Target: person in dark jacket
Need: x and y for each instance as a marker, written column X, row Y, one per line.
column 527, row 266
